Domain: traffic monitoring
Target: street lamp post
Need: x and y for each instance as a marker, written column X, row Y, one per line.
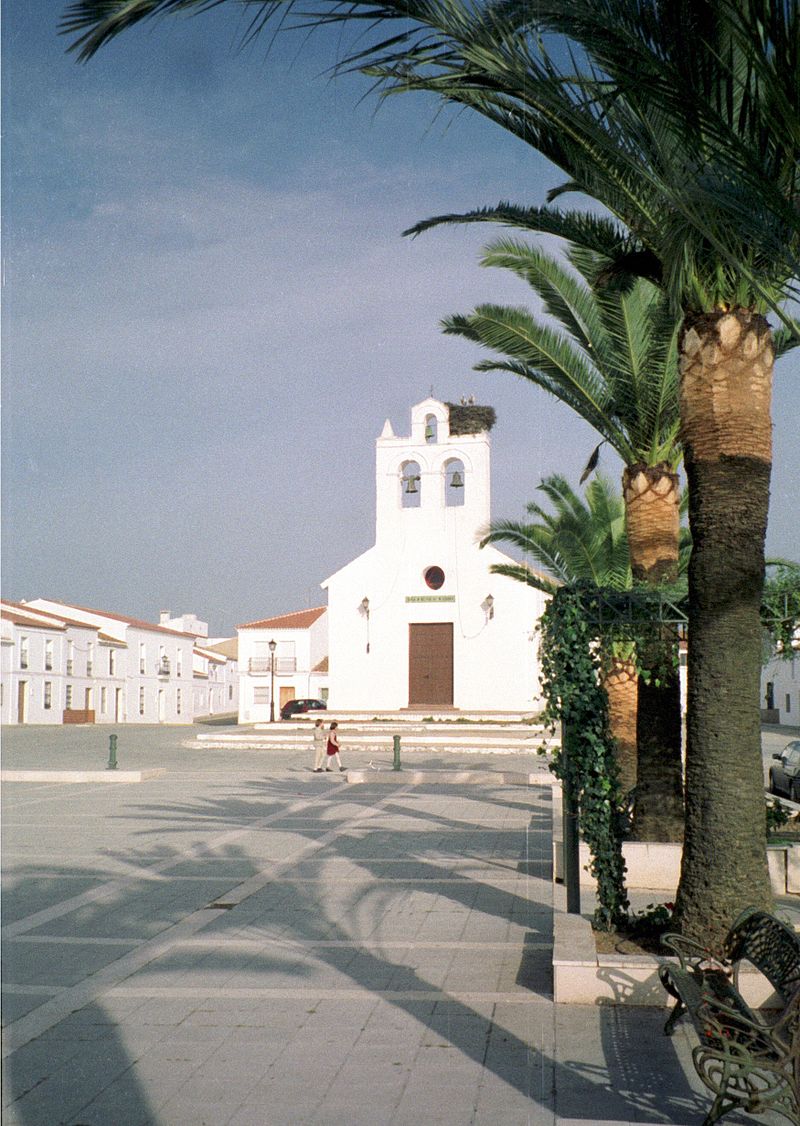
column 273, row 645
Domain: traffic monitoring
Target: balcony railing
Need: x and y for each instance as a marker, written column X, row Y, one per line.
column 163, row 667
column 264, row 665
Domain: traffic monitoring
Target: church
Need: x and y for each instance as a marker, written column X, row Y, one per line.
column 418, row 621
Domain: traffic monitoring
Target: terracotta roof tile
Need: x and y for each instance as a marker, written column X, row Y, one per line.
column 61, row 619
column 29, row 621
column 228, row 648
column 300, row 619
column 137, row 623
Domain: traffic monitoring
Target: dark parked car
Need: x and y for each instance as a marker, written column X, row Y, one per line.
column 784, row 774
column 298, row 707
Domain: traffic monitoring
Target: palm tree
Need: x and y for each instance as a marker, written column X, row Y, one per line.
column 613, row 359
column 682, row 120
column 581, row 541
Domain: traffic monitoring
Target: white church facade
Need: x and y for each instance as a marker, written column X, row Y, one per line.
column 419, row 621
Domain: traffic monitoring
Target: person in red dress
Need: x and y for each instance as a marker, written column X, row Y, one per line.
column 333, row 747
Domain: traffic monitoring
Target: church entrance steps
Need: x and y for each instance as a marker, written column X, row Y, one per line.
column 379, row 738
column 405, row 776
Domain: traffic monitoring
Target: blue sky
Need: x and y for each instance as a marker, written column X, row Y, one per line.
column 209, row 311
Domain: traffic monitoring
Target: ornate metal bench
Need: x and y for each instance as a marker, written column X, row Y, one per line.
column 745, row 1061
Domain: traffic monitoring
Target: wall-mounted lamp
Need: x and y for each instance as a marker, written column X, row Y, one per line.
column 488, row 606
column 364, row 608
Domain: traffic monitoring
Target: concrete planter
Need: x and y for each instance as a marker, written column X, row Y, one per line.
column 657, row 866
column 581, row 976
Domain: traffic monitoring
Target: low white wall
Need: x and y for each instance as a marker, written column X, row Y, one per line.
column 658, row 866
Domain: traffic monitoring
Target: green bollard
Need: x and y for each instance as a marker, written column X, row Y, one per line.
column 396, row 765
column 112, row 753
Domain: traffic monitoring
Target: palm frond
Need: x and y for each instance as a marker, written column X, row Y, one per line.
column 680, row 118
column 523, row 574
column 579, row 540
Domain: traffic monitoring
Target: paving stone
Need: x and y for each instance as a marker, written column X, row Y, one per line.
column 384, row 958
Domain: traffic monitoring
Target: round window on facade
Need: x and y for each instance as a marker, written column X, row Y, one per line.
column 434, row 578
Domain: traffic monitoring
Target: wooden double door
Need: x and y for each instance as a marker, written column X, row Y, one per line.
column 430, row 664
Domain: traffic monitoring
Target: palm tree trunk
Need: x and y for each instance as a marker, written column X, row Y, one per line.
column 658, row 812
column 652, row 520
column 619, row 681
column 726, row 384
column 652, row 515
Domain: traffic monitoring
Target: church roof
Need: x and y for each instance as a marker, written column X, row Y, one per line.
column 300, row 619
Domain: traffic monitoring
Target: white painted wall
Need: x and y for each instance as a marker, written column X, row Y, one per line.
column 785, row 679
column 495, row 654
column 298, row 652
column 162, row 693
column 27, row 645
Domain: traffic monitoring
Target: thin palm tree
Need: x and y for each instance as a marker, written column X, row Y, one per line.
column 581, row 541
column 609, row 352
column 682, row 120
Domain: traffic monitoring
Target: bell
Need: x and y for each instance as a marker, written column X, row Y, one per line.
column 411, row 485
column 429, row 433
column 456, row 481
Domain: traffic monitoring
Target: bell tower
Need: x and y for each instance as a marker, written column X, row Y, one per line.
column 438, row 476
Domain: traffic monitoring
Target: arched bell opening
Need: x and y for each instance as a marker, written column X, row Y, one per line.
column 410, row 485
column 454, row 483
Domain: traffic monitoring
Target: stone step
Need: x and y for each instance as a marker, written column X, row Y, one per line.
column 523, row 732
column 379, row 738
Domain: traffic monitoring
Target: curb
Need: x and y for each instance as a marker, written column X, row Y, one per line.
column 78, row 775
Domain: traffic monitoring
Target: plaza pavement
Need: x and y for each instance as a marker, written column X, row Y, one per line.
column 240, row 942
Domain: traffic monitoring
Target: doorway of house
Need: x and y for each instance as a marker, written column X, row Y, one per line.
column 22, row 701
column 287, row 693
column 430, row 664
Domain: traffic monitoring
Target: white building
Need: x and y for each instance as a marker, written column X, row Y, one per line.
column 216, row 683
column 32, row 654
column 69, row 664
column 418, row 621
column 158, row 672
column 287, row 654
column 57, row 669
column 227, row 647
column 780, row 691
column 215, row 666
